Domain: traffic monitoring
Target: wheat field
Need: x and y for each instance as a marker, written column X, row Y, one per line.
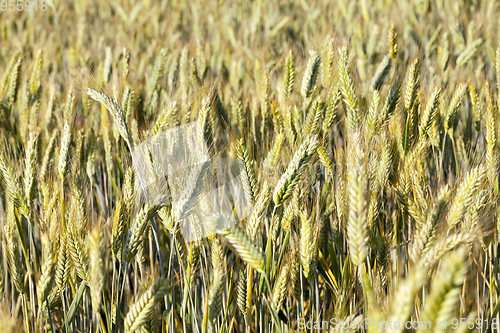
column 359, row 143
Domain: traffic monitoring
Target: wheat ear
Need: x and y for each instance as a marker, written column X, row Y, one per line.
column 64, row 152
column 47, row 277
column 62, row 265
column 356, row 187
column 404, row 297
column 446, row 289
column 258, row 211
column 119, row 118
column 310, row 75
column 293, row 173
column 307, row 246
column 426, row 233
column 430, row 112
column 165, row 118
column 289, row 75
column 393, row 46
column 14, row 259
column 247, row 172
column 381, row 73
column 455, row 104
column 10, row 186
column 348, row 92
column 464, row 195
column 118, row 229
column 245, row 248
column 142, row 308
column 96, row 270
column 241, row 298
column 218, row 279
column 135, row 233
column 279, row 288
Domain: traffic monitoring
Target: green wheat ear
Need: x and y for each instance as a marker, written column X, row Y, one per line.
column 136, row 231
column 116, row 111
column 348, row 92
column 455, row 104
column 357, row 203
column 247, row 172
column 242, row 291
column 311, row 74
column 289, row 79
column 14, row 260
column 12, row 67
column 245, row 248
column 96, row 267
column 140, row 311
column 293, row 173
column 430, row 113
column 446, row 288
column 308, row 246
column 258, row 211
column 464, row 195
column 381, row 73
column 13, row 79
